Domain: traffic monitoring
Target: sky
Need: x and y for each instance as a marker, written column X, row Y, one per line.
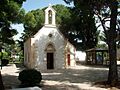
column 33, row 5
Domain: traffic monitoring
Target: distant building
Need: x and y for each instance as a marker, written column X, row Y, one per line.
column 97, row 56
column 48, row 48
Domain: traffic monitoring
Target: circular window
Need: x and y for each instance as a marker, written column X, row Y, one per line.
column 50, row 35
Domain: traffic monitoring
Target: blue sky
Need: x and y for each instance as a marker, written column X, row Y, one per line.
column 35, row 4
column 32, row 5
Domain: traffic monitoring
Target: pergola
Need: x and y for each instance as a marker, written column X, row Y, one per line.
column 97, row 56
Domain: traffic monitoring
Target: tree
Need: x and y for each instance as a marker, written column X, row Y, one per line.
column 10, row 12
column 33, row 21
column 113, row 74
column 80, row 28
column 1, row 83
column 97, row 6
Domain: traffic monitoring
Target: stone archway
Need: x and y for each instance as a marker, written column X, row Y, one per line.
column 50, row 49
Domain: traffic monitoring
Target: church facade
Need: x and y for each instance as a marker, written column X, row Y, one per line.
column 48, row 48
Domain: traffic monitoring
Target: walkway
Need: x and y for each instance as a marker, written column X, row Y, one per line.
column 9, row 75
column 74, row 78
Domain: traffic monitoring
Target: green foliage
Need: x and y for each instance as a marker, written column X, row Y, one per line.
column 80, row 28
column 33, row 22
column 62, row 12
column 4, row 55
column 18, row 51
column 30, row 77
column 103, row 46
column 15, row 51
column 10, row 10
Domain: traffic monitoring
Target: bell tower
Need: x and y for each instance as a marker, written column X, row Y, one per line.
column 50, row 16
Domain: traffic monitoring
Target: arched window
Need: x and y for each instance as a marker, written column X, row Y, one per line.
column 50, row 17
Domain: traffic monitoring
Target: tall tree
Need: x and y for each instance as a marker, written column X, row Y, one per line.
column 97, row 6
column 33, row 21
column 80, row 27
column 10, row 12
column 113, row 74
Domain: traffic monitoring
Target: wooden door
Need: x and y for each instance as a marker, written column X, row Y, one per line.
column 50, row 61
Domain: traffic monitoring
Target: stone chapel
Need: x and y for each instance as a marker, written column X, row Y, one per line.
column 48, row 48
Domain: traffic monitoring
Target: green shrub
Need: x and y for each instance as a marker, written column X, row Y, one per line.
column 5, row 62
column 30, row 77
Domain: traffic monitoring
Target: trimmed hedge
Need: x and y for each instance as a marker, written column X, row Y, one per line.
column 30, row 77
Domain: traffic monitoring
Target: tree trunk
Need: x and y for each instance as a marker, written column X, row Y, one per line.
column 113, row 73
column 1, row 56
column 1, row 82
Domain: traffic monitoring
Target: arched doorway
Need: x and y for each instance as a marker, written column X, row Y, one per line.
column 50, row 56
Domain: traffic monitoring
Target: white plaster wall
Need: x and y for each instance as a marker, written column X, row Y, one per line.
column 41, row 39
column 72, row 55
column 27, row 50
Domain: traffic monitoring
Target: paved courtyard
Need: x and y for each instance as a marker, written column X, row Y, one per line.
column 75, row 78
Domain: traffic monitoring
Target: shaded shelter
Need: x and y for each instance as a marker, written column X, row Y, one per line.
column 97, row 56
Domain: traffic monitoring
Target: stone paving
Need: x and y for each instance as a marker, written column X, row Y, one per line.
column 75, row 78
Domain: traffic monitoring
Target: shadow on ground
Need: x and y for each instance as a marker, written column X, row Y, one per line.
column 10, row 75
column 20, row 66
column 64, row 79
column 10, row 81
column 73, row 77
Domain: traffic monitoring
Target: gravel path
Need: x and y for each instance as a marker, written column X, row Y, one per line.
column 74, row 78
